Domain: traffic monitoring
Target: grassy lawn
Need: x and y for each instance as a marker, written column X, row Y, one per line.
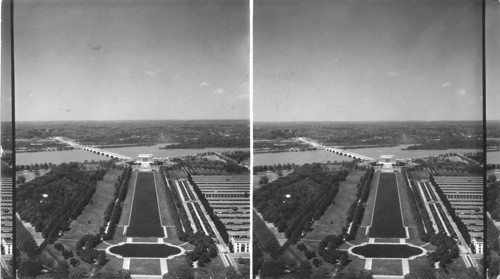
column 50, row 254
column 176, row 262
column 418, row 175
column 144, row 239
column 36, row 235
column 360, row 237
column 417, row 262
column 166, row 218
column 387, row 267
column 387, row 240
column 114, row 262
column 293, row 254
column 370, row 203
column 92, row 216
column 30, row 175
column 271, row 175
column 414, row 238
column 355, row 264
column 176, row 175
column 334, row 218
column 145, row 266
column 408, row 219
column 127, row 205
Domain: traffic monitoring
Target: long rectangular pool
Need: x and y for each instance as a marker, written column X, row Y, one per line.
column 387, row 220
column 145, row 217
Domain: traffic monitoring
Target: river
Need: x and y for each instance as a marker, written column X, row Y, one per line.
column 78, row 155
column 303, row 157
column 493, row 157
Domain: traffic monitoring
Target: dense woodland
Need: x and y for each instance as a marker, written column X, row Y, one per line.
column 292, row 203
column 439, row 134
column 114, row 209
column 492, row 249
column 50, row 202
column 493, row 200
column 196, row 133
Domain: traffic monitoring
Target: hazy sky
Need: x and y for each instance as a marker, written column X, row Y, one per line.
column 493, row 60
column 367, row 60
column 106, row 60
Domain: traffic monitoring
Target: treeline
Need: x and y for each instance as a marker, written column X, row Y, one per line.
column 263, row 237
column 204, row 251
column 328, row 249
column 446, row 251
column 357, row 208
column 181, row 218
column 294, row 202
column 460, row 225
column 211, row 142
column 171, row 204
column 34, row 167
column 85, row 249
column 52, row 201
column 493, row 200
column 218, row 223
column 25, row 241
column 274, row 167
column 113, row 211
column 237, row 155
column 205, row 245
column 449, row 143
column 420, row 214
column 492, row 235
column 492, row 260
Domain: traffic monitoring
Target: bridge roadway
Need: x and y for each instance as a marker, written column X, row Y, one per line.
column 95, row 150
column 337, row 150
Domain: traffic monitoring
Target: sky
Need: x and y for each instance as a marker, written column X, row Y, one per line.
column 492, row 24
column 6, row 93
column 121, row 60
column 367, row 60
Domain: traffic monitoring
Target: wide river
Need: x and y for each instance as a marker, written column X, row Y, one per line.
column 493, row 157
column 78, row 155
column 319, row 156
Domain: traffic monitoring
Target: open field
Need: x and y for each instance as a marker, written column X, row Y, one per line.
column 30, row 175
column 418, row 175
column 176, row 175
column 334, row 218
column 145, row 266
column 370, row 204
column 127, row 204
column 387, row 220
column 166, row 218
column 387, row 267
column 145, row 218
column 271, row 175
column 92, row 216
column 408, row 219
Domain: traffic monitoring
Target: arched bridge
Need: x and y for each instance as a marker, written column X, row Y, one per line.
column 347, row 153
column 97, row 151
column 336, row 150
column 105, row 153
